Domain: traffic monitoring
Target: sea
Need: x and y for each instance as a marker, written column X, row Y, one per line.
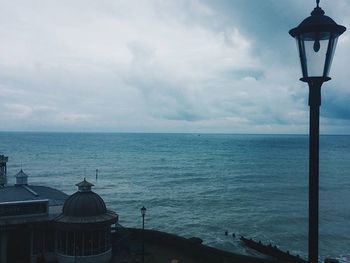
column 200, row 185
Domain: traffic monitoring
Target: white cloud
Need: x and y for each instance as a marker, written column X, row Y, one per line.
column 142, row 66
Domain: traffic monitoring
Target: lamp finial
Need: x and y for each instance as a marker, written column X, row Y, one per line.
column 317, row 3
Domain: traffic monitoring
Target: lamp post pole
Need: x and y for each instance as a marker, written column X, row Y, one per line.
column 143, row 238
column 316, row 38
column 143, row 213
column 314, row 103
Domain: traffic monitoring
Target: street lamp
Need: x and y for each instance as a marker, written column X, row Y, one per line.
column 316, row 38
column 143, row 213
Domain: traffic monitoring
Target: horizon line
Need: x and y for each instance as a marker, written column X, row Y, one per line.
column 159, row 132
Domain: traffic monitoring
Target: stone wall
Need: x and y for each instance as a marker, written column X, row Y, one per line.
column 189, row 246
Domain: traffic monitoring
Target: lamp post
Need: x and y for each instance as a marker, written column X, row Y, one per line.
column 143, row 213
column 316, row 38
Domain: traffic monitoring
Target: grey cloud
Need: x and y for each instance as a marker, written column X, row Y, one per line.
column 336, row 106
column 257, row 74
column 156, row 66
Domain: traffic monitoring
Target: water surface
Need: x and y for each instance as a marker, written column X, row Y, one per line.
column 200, row 184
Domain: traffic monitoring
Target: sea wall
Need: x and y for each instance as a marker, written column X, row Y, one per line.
column 190, row 246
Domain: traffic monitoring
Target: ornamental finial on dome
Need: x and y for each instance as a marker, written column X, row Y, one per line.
column 84, row 186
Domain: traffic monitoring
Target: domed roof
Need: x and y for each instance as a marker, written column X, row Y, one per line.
column 84, row 202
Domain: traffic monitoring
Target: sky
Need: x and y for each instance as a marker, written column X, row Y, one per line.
column 213, row 66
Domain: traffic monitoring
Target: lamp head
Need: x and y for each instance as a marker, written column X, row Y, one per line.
column 316, row 38
column 143, row 211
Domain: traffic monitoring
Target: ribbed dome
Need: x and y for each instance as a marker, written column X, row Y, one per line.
column 84, row 202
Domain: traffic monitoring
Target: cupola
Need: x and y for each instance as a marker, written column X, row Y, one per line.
column 84, row 227
column 21, row 178
column 84, row 202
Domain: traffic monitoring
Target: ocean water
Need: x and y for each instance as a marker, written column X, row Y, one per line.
column 200, row 184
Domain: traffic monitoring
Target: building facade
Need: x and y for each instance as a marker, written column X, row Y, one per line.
column 40, row 223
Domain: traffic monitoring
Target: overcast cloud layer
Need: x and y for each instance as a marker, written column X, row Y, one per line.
column 163, row 66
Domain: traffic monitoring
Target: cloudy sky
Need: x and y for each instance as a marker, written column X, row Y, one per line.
column 163, row 66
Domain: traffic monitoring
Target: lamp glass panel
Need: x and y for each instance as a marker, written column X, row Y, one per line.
column 301, row 49
column 331, row 50
column 315, row 47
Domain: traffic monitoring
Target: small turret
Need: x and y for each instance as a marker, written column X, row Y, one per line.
column 21, row 178
column 3, row 170
column 84, row 186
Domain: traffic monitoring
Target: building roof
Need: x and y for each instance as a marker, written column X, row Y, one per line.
column 109, row 217
column 21, row 174
column 32, row 192
column 84, row 202
column 84, row 186
column 85, row 206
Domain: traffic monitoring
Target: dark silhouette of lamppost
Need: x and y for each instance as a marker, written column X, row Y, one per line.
column 143, row 213
column 316, row 38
